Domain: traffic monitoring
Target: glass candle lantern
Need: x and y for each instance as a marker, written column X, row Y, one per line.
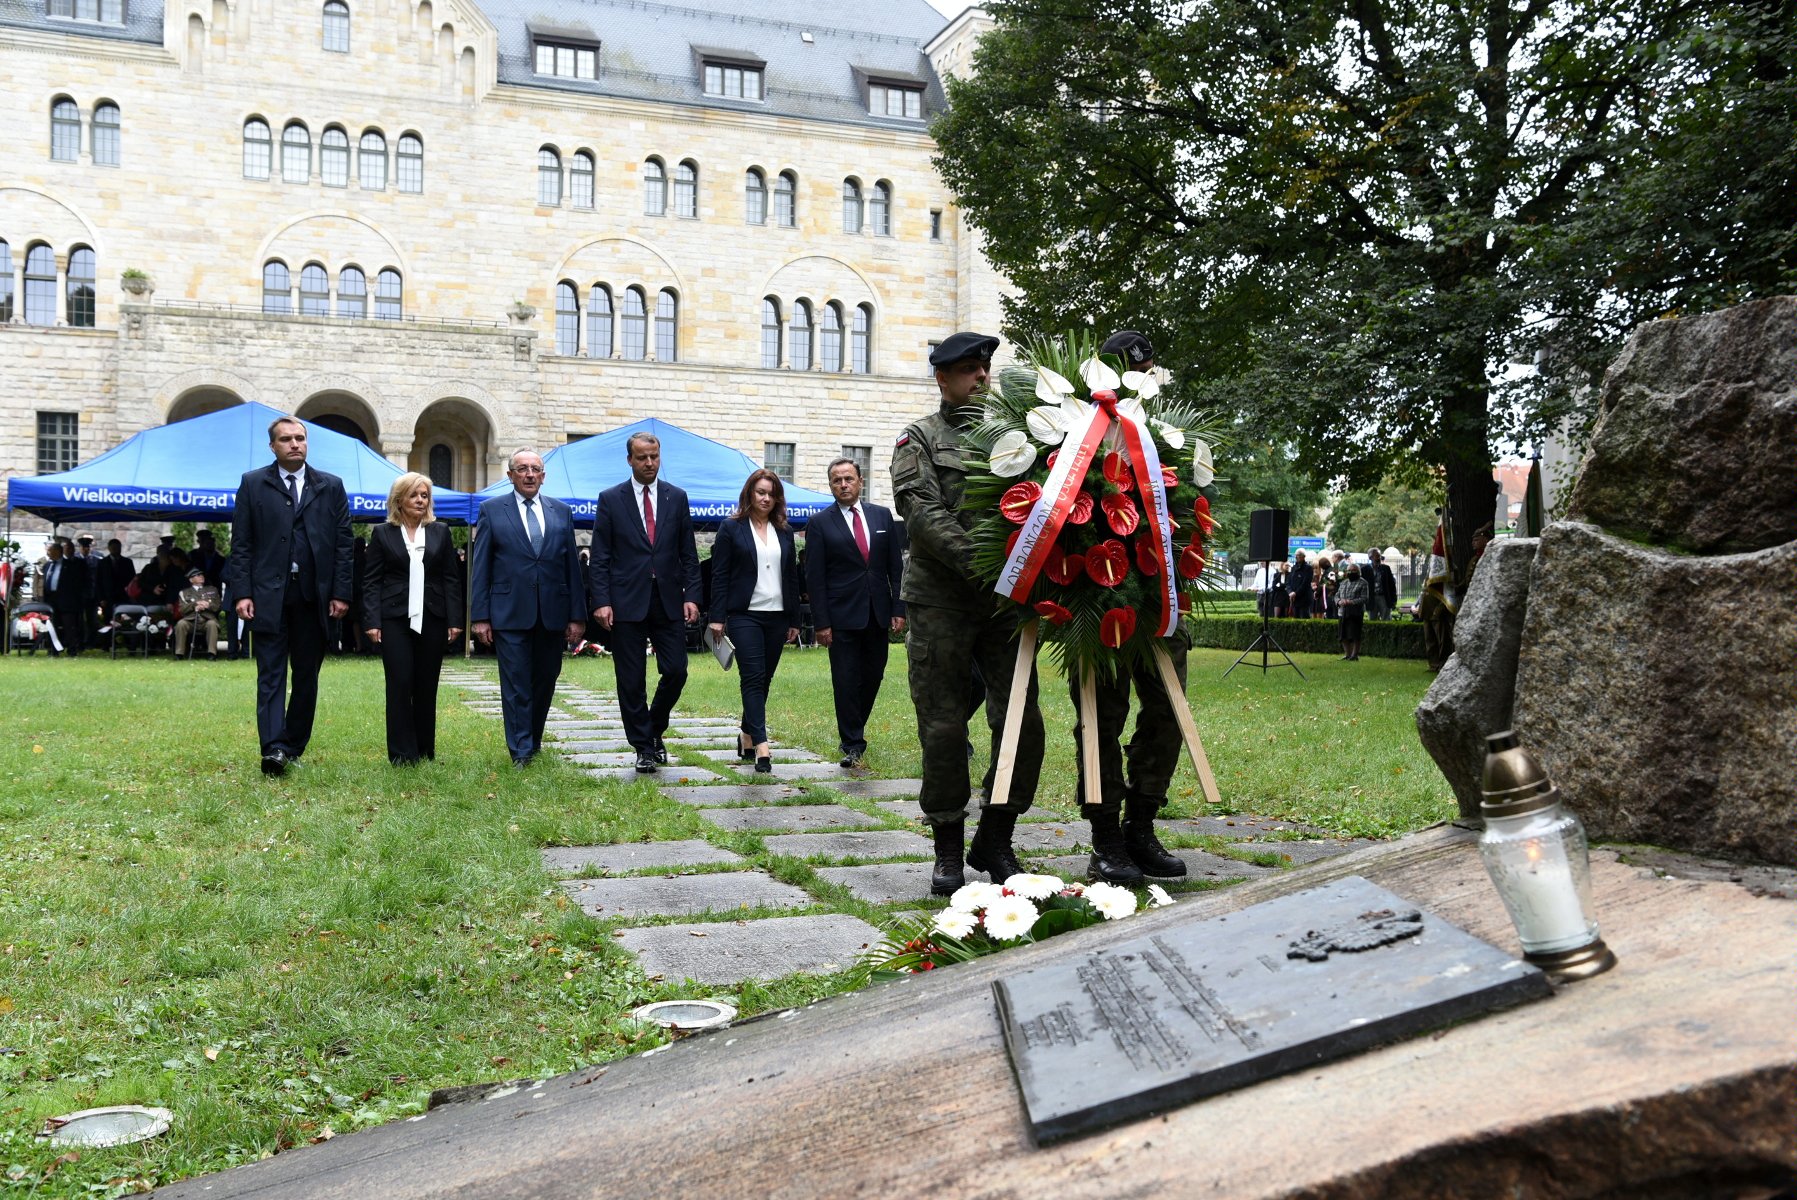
column 1538, row 859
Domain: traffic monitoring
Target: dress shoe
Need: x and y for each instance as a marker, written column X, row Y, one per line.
column 522, row 760
column 764, row 765
column 852, row 762
column 661, row 751
column 646, row 764
column 274, row 762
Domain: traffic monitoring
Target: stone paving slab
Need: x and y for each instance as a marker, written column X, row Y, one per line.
column 880, row 843
column 1300, row 852
column 787, row 817
column 780, row 754
column 908, row 810
column 634, row 856
column 1199, row 865
column 1044, row 837
column 598, row 747
column 723, row 953
column 1235, row 827
column 713, row 739
column 603, row 759
column 582, row 731
column 885, row 883
column 868, row 789
column 730, row 793
column 653, row 895
column 671, row 773
column 804, row 770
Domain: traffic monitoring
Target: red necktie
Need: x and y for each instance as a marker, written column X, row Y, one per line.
column 860, row 532
column 648, row 516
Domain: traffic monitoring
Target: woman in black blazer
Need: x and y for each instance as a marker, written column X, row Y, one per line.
column 411, row 601
column 755, row 598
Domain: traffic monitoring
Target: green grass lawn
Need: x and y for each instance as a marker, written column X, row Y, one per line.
column 281, row 960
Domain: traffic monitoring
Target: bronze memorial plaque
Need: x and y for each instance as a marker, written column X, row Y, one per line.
column 1158, row 1021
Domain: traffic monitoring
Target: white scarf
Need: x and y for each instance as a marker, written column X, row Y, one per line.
column 415, row 578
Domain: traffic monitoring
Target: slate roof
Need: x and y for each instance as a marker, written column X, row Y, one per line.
column 143, row 21
column 650, row 51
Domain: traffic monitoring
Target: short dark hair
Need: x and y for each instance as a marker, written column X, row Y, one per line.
column 280, row 421
column 756, row 476
column 641, row 435
column 831, row 469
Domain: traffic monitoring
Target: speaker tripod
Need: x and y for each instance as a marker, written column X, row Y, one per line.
column 1266, row 642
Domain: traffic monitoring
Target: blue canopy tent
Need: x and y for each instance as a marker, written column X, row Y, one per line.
column 189, row 471
column 710, row 473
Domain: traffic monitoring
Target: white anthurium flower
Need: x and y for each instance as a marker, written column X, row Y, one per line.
column 971, row 897
column 1098, row 375
column 1047, row 423
column 1034, row 887
column 1112, row 902
column 1145, row 384
column 1050, row 386
column 1162, row 375
column 1203, row 470
column 1158, row 897
column 1010, row 918
column 1173, row 435
column 1132, row 408
column 1012, row 454
column 954, row 922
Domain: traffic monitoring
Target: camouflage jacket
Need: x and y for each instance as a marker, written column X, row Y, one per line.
column 927, row 482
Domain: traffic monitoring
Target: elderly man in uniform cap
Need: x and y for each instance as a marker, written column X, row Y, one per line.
column 957, row 621
column 1124, row 845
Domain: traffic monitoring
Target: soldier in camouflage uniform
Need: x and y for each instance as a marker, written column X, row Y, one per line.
column 956, row 622
column 1124, row 846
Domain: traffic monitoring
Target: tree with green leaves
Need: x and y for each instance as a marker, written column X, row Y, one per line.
column 1345, row 217
column 1392, row 514
column 1258, row 472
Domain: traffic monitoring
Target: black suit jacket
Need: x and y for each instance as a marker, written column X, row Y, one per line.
column 734, row 566
column 387, row 576
column 115, row 574
column 264, row 529
column 847, row 590
column 625, row 572
column 70, row 592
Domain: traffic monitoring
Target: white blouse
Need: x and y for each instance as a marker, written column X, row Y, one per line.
column 766, row 596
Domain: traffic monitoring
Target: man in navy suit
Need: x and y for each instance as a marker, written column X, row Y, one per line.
column 644, row 580
column 854, row 562
column 290, row 572
column 526, row 598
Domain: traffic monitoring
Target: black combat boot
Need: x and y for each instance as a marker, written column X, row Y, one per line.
column 1111, row 860
column 947, row 878
column 1144, row 847
column 991, row 848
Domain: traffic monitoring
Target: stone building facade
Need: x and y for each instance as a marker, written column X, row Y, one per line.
column 455, row 227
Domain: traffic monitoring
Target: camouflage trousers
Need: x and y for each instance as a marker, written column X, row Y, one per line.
column 1153, row 751
column 943, row 646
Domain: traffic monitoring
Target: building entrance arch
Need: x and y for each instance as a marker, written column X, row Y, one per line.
column 197, row 402
column 345, row 413
column 452, row 443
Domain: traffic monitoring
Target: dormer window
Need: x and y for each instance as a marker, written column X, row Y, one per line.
column 895, row 100
column 564, row 57
column 729, row 74
column 106, row 12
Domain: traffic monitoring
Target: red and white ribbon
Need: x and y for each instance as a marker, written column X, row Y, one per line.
column 1154, row 510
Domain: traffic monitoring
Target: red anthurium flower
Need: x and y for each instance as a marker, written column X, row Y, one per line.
column 1191, row 562
column 1054, row 612
column 1202, row 504
column 1116, row 470
column 1148, row 557
column 1011, row 542
column 1108, row 563
column 1122, row 514
column 1201, row 509
column 1081, row 512
column 1170, row 478
column 1018, row 500
column 1116, row 627
column 1049, row 461
column 1185, row 602
column 1063, row 567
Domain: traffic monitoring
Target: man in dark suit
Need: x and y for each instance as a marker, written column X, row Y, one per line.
column 644, row 580
column 526, row 597
column 62, row 584
column 289, row 576
column 116, row 573
column 854, row 563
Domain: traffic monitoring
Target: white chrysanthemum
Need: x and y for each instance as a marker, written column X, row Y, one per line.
column 1012, row 454
column 1143, row 383
column 1112, row 902
column 1173, row 435
column 1158, row 897
column 1035, row 887
column 1009, row 918
column 954, row 923
column 971, row 897
column 1098, row 375
column 1203, row 470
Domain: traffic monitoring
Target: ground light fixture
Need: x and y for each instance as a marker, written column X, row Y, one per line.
column 1539, row 861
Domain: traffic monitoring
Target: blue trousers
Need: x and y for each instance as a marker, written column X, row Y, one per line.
column 530, row 661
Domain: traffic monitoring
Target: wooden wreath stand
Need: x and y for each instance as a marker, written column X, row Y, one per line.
column 1088, row 711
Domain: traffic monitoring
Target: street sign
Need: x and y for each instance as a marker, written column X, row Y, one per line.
column 1310, row 545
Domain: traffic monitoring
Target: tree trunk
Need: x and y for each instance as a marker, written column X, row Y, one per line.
column 1472, row 492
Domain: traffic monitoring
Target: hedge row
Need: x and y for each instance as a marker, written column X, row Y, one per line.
column 1382, row 639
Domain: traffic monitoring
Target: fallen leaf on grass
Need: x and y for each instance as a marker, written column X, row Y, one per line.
column 211, row 1053
column 5, row 1005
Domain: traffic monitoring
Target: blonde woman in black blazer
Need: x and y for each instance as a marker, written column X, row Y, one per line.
column 411, row 601
column 755, row 595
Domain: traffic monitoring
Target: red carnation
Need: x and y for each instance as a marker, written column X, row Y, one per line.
column 1016, row 503
column 1148, row 557
column 1116, row 470
column 1081, row 512
column 1116, row 627
column 1054, row 612
column 1108, row 563
column 1191, row 562
column 1064, row 566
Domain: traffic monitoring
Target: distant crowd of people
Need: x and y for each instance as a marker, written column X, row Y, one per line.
column 92, row 597
column 1333, row 588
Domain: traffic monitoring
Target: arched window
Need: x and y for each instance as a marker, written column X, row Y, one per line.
column 277, row 287
column 258, row 149
column 352, row 293
column 389, row 295
column 5, row 282
column 408, row 163
column 599, row 321
column 786, row 191
column 315, row 291
column 336, row 26
column 851, row 206
column 655, row 188
column 40, row 285
column 371, row 161
column 798, row 355
column 636, row 325
column 106, row 134
column 549, row 177
column 686, row 189
column 567, row 319
column 81, row 288
column 442, row 466
column 861, row 340
column 580, row 180
column 830, row 336
column 754, row 197
column 296, row 153
column 879, row 209
column 770, row 332
column 333, row 157
column 667, row 326
column 65, row 131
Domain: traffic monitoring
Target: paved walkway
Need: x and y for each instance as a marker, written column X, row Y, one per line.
column 861, row 849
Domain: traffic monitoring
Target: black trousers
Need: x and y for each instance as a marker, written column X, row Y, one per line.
column 857, row 668
column 411, row 663
column 758, row 637
column 283, row 718
column 644, row 721
column 68, row 629
column 530, row 661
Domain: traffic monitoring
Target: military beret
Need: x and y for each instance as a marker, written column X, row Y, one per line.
column 1134, row 348
column 196, row 572
column 963, row 345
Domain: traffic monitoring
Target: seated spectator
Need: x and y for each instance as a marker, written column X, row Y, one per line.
column 199, row 610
